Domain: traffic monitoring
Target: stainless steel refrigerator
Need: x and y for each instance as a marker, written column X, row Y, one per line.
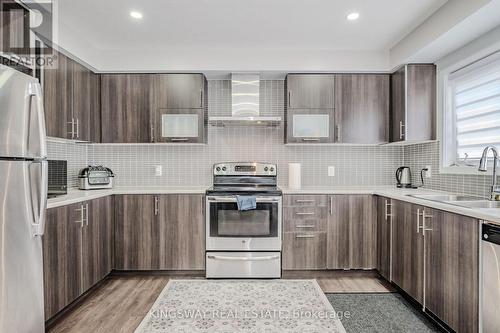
column 23, row 199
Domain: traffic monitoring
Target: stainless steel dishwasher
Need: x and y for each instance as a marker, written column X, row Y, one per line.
column 490, row 290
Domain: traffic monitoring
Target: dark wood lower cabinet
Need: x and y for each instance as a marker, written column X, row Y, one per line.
column 97, row 241
column 62, row 260
column 452, row 269
column 182, row 232
column 435, row 259
column 137, row 233
column 304, row 250
column 77, row 251
column 159, row 232
column 352, row 233
column 384, row 208
column 407, row 249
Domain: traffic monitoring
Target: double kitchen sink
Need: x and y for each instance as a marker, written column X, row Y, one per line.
column 460, row 200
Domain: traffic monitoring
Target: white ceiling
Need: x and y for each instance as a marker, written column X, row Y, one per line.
column 289, row 24
column 252, row 35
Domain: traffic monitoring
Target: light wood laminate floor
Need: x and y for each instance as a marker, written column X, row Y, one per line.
column 120, row 303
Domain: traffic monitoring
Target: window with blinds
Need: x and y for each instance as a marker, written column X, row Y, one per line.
column 475, row 109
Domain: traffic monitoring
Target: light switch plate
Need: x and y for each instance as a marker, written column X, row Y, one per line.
column 158, row 170
column 331, row 171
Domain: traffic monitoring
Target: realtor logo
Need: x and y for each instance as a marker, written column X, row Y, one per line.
column 25, row 26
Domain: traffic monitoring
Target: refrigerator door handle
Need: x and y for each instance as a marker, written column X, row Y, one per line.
column 38, row 226
column 35, row 99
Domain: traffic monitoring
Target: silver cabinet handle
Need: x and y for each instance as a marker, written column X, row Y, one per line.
column 179, row 139
column 418, row 221
column 387, row 205
column 304, row 201
column 289, row 98
column 305, row 226
column 310, row 140
column 72, row 131
column 233, row 199
column 401, row 131
column 201, row 98
column 305, row 236
column 152, row 133
column 243, row 258
column 305, row 213
column 331, row 205
column 87, row 213
column 157, row 208
column 424, row 217
column 77, row 128
column 82, row 215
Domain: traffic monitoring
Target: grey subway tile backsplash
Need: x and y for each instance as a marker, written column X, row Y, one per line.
column 420, row 155
column 190, row 165
column 74, row 153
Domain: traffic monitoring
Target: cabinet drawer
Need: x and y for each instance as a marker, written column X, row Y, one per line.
column 304, row 213
column 304, row 200
column 304, row 250
column 306, row 225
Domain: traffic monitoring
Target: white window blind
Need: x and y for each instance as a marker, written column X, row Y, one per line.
column 475, row 102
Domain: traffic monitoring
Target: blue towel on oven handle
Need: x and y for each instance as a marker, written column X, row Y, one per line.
column 246, row 202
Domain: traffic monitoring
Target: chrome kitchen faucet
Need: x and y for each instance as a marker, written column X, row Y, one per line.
column 483, row 166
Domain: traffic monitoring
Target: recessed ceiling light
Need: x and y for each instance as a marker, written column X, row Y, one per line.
column 353, row 16
column 136, row 15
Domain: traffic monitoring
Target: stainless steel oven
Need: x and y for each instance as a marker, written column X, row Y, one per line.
column 243, row 243
column 228, row 228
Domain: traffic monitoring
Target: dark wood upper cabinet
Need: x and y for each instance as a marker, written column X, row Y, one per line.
column 126, row 106
column 86, row 104
column 310, row 91
column 362, row 108
column 180, row 108
column 180, row 91
column 71, row 101
column 384, row 221
column 413, row 103
column 352, row 233
column 452, row 269
column 58, row 98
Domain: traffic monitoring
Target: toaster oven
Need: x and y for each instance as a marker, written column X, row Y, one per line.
column 95, row 177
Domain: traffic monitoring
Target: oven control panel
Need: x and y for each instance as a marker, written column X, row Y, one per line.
column 245, row 168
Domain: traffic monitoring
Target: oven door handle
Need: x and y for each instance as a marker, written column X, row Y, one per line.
column 243, row 258
column 233, row 199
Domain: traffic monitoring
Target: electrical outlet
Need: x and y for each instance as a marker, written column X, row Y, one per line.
column 331, row 171
column 428, row 173
column 158, row 170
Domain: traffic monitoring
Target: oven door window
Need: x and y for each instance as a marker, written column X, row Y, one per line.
column 227, row 221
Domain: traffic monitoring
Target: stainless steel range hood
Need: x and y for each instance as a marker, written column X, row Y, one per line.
column 245, row 104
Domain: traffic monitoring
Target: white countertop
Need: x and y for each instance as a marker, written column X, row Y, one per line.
column 75, row 196
column 491, row 215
